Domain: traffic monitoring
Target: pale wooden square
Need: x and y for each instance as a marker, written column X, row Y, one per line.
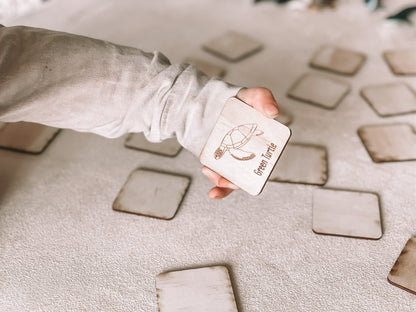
column 401, row 62
column 26, row 137
column 346, row 213
column 207, row 68
column 244, row 146
column 302, row 163
column 233, row 46
column 196, row 290
column 403, row 273
column 168, row 147
column 390, row 99
column 151, row 193
column 338, row 60
column 319, row 90
column 385, row 143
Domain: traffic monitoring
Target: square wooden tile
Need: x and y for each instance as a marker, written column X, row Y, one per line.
column 26, row 137
column 320, row 90
column 197, row 290
column 168, row 147
column 390, row 99
column 244, row 146
column 401, row 62
column 403, row 273
column 346, row 213
column 233, row 46
column 152, row 194
column 385, row 143
column 302, row 163
column 338, row 60
column 207, row 68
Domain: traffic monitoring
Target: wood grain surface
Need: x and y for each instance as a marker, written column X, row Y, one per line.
column 392, row 142
column 168, row 147
column 208, row 68
column 338, row 60
column 346, row 213
column 390, row 99
column 244, row 146
column 403, row 272
column 401, row 62
column 317, row 89
column 151, row 193
column 233, row 46
column 196, row 290
column 302, row 163
column 26, row 137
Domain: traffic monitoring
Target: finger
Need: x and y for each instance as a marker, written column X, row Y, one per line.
column 219, row 192
column 218, row 180
column 261, row 99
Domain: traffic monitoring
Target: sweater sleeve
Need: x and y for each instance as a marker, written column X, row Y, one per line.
column 70, row 81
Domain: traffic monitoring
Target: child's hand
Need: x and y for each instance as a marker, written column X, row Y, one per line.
column 260, row 99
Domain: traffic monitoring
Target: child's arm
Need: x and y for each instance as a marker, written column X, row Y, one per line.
column 69, row 81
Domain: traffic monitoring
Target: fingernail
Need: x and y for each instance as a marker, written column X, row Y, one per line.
column 272, row 112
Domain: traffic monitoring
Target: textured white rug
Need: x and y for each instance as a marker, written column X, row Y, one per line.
column 62, row 247
column 15, row 8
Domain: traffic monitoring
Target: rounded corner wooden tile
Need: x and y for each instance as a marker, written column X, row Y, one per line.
column 208, row 68
column 196, row 290
column 244, row 146
column 390, row 142
column 169, row 147
column 403, row 272
column 302, row 163
column 338, row 60
column 233, row 46
column 309, row 88
column 401, row 62
column 26, row 137
column 346, row 213
column 390, row 99
column 152, row 193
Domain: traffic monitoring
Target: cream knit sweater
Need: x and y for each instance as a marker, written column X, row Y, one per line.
column 69, row 81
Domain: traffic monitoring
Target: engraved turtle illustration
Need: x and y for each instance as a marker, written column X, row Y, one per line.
column 235, row 139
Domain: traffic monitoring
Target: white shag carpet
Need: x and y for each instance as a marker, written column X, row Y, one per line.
column 62, row 247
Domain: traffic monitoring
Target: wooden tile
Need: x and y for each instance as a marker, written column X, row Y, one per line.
column 207, row 68
column 319, row 90
column 233, row 46
column 338, row 60
column 284, row 117
column 244, row 146
column 403, row 273
column 302, row 163
column 401, row 62
column 26, row 137
column 346, row 213
column 197, row 290
column 390, row 99
column 385, row 143
column 168, row 147
column 151, row 193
